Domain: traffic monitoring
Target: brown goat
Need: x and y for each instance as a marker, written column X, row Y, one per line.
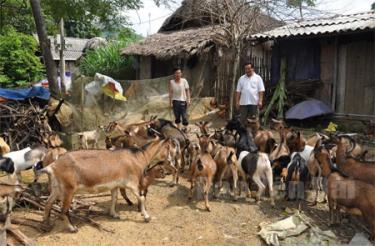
column 295, row 142
column 4, row 147
column 315, row 138
column 8, row 193
column 260, row 136
column 346, row 193
column 277, row 124
column 128, row 139
column 361, row 170
column 203, row 166
column 100, row 170
column 148, row 178
column 225, row 158
column 203, row 126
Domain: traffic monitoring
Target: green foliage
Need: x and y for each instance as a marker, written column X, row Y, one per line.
column 87, row 19
column 83, row 19
column 108, row 60
column 297, row 3
column 279, row 96
column 373, row 6
column 18, row 63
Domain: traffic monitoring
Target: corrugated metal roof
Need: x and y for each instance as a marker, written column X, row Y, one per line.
column 334, row 24
column 74, row 47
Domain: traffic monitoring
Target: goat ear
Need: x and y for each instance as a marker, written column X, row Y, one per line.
column 198, row 135
column 318, row 145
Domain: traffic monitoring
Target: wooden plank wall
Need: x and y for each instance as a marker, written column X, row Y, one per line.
column 326, row 72
column 359, row 78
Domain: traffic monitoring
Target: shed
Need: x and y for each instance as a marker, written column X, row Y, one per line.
column 338, row 51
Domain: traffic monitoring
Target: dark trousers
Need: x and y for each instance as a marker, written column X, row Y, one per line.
column 179, row 111
column 248, row 111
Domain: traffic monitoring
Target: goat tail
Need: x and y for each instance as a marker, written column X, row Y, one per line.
column 229, row 158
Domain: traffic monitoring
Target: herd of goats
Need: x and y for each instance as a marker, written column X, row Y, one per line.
column 137, row 154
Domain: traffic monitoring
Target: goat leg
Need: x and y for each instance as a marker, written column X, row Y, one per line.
column 125, row 196
column 261, row 187
column 235, row 180
column 192, row 184
column 112, row 210
column 141, row 201
column 206, row 191
column 68, row 197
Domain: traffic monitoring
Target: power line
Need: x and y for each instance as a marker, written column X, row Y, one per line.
column 152, row 20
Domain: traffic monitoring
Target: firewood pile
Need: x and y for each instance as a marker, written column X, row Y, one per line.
column 23, row 123
column 299, row 91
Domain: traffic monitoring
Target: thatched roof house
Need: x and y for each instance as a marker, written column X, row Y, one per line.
column 192, row 39
column 184, row 43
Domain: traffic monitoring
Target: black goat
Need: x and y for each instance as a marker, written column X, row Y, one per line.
column 245, row 141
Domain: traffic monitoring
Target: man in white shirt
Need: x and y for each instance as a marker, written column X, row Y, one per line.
column 249, row 94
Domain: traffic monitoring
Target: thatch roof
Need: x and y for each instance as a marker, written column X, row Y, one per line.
column 190, row 30
column 196, row 13
column 183, row 43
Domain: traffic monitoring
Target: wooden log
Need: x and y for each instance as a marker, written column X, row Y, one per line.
column 25, row 240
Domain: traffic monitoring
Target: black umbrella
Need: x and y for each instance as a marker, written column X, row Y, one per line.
column 307, row 109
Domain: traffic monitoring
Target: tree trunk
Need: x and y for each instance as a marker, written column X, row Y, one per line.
column 45, row 47
column 300, row 10
column 62, row 60
column 236, row 63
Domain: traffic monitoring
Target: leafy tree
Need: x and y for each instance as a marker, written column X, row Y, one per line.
column 83, row 19
column 18, row 63
column 299, row 3
column 17, row 14
column 373, row 6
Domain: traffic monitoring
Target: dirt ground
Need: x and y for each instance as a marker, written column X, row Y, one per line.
column 176, row 221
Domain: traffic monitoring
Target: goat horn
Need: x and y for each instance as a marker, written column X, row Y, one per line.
column 352, row 144
column 156, row 132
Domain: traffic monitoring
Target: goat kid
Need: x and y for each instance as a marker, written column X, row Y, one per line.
column 90, row 138
column 23, row 159
column 203, row 167
column 260, row 135
column 225, row 159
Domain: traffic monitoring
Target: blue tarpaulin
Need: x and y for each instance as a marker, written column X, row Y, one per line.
column 25, row 93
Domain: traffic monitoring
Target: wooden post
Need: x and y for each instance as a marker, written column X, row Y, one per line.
column 46, row 50
column 335, row 74
column 62, row 61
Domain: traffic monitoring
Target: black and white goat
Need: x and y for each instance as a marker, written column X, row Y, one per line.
column 16, row 161
column 252, row 164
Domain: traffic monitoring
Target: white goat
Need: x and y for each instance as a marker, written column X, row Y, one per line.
column 89, row 137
